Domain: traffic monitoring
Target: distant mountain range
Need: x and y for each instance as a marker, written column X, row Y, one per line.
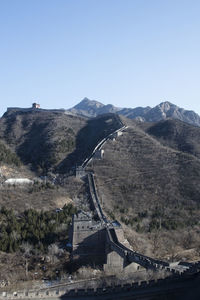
column 163, row 111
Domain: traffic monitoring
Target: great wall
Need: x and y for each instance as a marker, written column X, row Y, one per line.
column 95, row 238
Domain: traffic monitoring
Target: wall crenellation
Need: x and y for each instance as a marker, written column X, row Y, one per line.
column 162, row 284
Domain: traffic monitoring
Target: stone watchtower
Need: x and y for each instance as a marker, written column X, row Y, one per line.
column 88, row 239
column 35, row 105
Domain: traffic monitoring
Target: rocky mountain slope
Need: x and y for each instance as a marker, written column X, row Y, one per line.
column 163, row 111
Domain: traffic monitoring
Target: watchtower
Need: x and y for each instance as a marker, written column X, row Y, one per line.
column 35, row 105
column 88, row 239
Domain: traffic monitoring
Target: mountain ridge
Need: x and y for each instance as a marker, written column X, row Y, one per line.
column 162, row 111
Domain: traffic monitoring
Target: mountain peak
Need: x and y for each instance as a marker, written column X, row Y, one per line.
column 166, row 106
column 87, row 103
column 92, row 108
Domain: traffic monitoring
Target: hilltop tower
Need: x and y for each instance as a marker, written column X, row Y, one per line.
column 35, row 105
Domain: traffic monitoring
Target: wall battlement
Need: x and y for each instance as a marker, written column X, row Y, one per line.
column 171, row 285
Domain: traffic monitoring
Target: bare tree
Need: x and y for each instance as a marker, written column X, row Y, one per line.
column 53, row 251
column 156, row 242
column 26, row 249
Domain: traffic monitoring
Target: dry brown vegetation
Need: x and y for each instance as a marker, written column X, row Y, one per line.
column 148, row 179
column 41, row 138
column 153, row 189
column 53, row 141
column 15, row 266
column 41, row 196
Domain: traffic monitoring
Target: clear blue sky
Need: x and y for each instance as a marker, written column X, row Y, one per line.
column 125, row 52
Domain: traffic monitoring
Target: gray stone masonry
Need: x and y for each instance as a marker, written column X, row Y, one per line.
column 88, row 238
